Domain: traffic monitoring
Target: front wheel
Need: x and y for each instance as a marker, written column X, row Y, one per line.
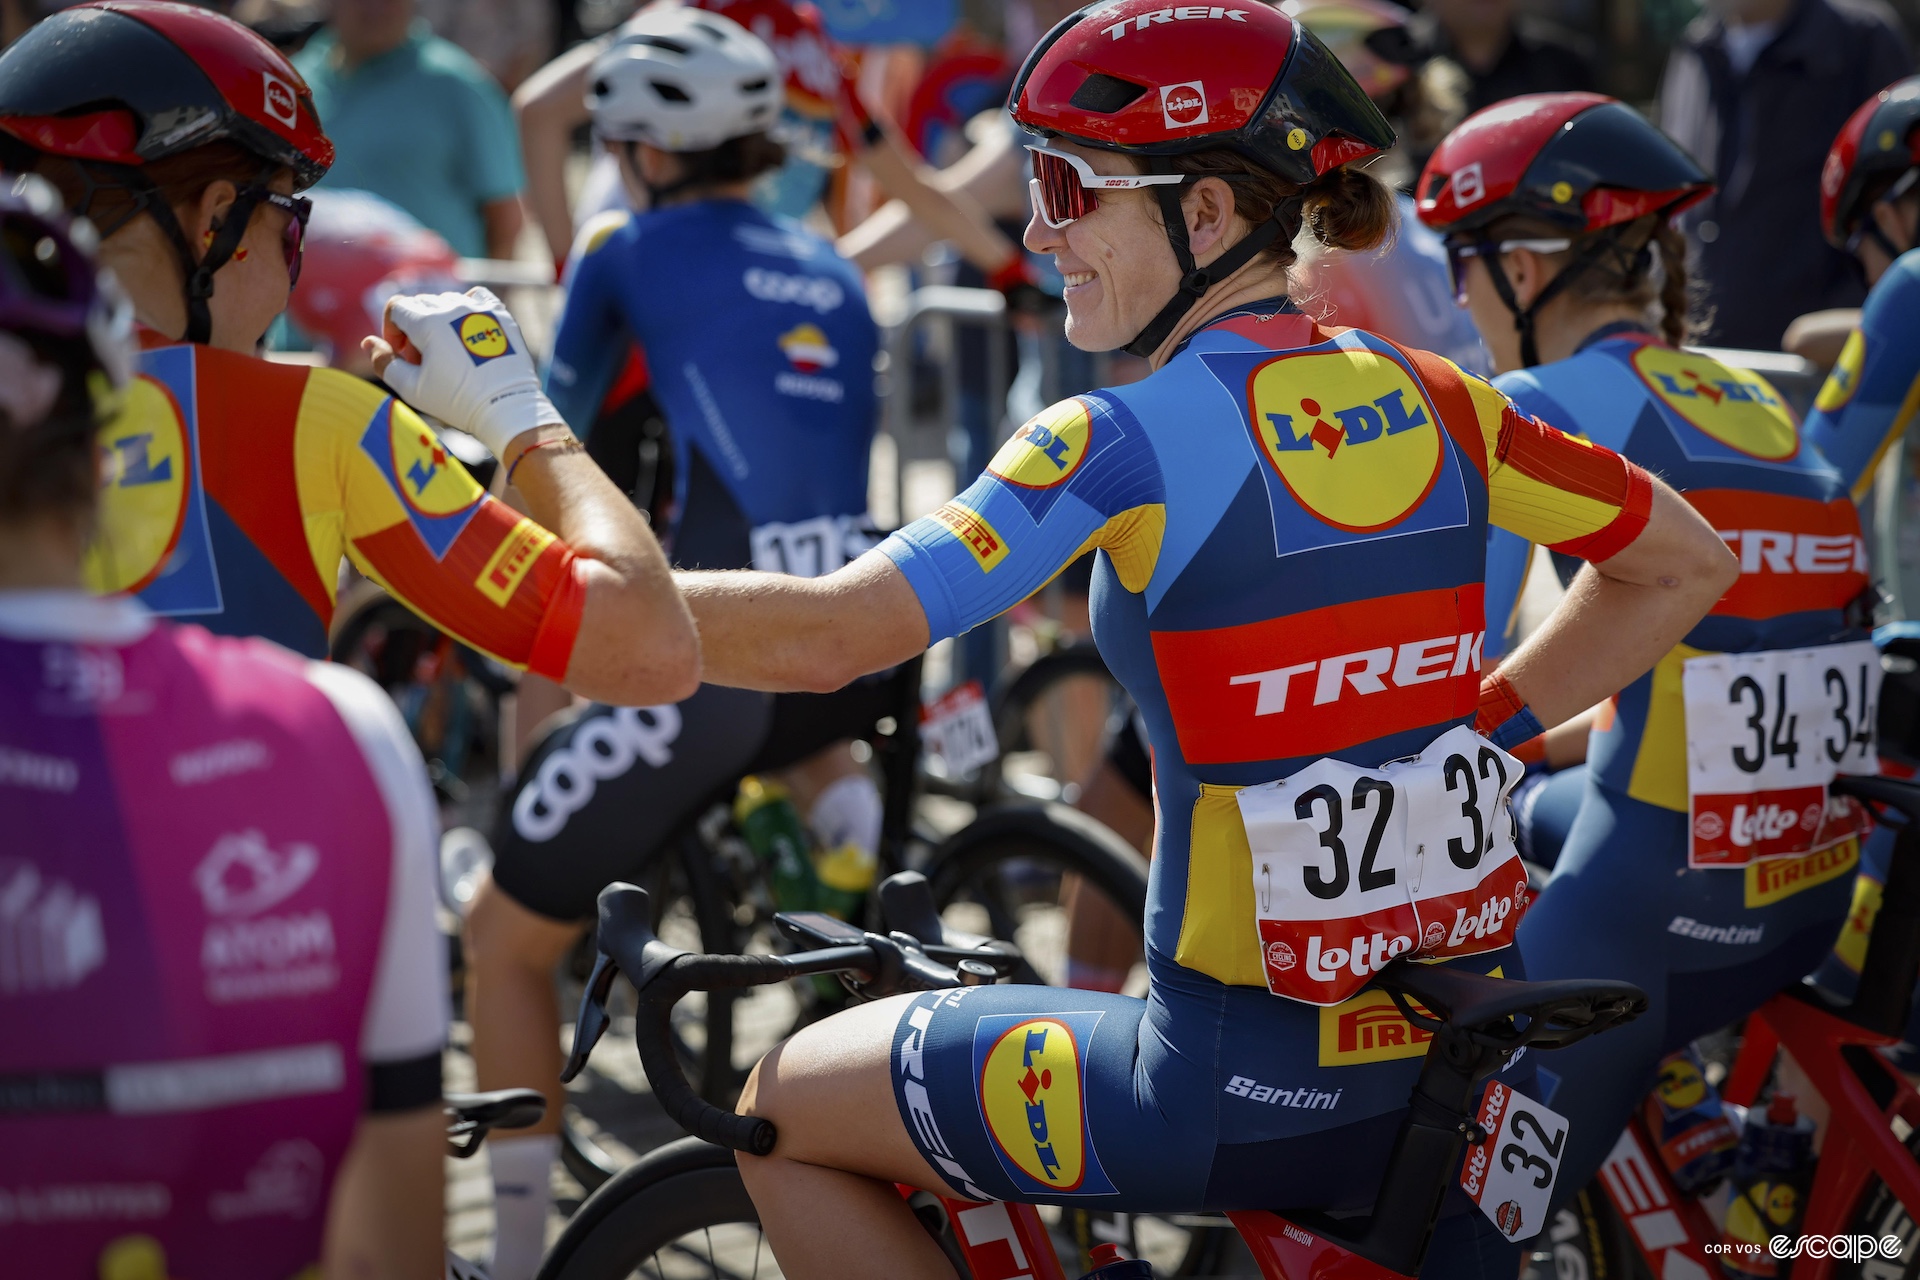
column 680, row 1210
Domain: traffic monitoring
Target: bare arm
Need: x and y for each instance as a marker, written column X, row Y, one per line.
column 1621, row 616
column 947, row 215
column 550, row 105
column 502, row 219
column 389, row 1202
column 1819, row 335
column 991, row 173
column 770, row 631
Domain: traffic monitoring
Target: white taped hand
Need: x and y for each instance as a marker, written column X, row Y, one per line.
column 474, row 372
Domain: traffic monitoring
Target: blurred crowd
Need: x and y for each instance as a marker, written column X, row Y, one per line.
column 441, row 110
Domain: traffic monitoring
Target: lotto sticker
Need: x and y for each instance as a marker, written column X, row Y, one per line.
column 1511, row 1174
column 1766, row 734
column 957, row 729
column 1354, row 867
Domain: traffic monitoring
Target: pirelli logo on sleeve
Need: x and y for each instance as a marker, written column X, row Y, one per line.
column 978, row 536
column 511, row 560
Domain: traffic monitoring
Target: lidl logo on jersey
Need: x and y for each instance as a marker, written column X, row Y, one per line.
column 1048, row 449
column 1840, row 385
column 1031, row 1076
column 151, row 537
column 1732, row 407
column 484, row 337
column 437, row 494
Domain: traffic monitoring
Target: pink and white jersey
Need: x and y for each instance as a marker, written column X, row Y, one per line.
column 217, row 943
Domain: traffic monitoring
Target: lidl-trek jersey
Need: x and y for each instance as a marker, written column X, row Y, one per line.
column 1871, row 396
column 217, row 949
column 1724, row 439
column 234, row 486
column 760, row 347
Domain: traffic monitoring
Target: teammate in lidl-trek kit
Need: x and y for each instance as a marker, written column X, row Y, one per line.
column 238, row 508
column 1705, row 865
column 1292, row 526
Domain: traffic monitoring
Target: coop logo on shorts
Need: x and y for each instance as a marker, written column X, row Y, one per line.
column 604, row 745
column 1183, row 105
column 1048, row 449
column 1031, row 1075
column 1350, row 434
column 484, row 337
column 280, row 101
column 1732, row 406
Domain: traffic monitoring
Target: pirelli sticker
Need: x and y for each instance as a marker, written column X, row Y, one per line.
column 1368, row 1028
column 511, row 560
column 978, row 536
column 1771, row 879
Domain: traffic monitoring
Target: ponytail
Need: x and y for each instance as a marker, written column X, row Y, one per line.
column 1675, row 299
column 1349, row 208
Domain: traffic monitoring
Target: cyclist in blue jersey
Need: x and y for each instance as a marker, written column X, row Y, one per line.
column 761, row 350
column 1292, row 531
column 1707, row 870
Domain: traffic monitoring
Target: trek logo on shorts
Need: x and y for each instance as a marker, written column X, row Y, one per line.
column 979, row 537
column 1733, row 407
column 1312, row 683
column 910, row 1067
column 436, row 492
column 1047, row 450
column 1772, row 879
column 483, row 336
column 1031, row 1080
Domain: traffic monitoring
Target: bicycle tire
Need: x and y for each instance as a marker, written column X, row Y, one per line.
column 672, row 1191
column 1585, row 1239
column 1880, row 1215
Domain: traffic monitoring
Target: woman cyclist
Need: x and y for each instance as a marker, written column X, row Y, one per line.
column 238, row 508
column 1679, row 873
column 223, row 988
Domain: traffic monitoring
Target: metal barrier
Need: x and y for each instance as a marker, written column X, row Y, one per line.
column 953, row 308
column 1796, row 378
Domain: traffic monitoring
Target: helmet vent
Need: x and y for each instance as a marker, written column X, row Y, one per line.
column 753, row 86
column 670, row 92
column 710, row 31
column 1105, row 94
column 661, row 42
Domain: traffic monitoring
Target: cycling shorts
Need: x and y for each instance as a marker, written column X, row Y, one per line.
column 1202, row 1096
column 606, row 789
column 1623, row 904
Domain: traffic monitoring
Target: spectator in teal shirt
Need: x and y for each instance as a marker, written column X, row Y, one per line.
column 418, row 121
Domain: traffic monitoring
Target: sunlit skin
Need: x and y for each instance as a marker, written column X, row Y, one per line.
column 1559, row 328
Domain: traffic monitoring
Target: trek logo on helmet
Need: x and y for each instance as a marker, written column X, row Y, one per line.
column 1184, row 13
column 281, row 103
column 1184, row 105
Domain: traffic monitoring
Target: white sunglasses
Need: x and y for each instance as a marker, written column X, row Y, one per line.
column 1063, row 185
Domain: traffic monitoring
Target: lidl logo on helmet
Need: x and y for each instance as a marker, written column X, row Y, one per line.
column 280, row 101
column 1350, row 434
column 483, row 336
column 1733, row 407
column 1047, row 450
column 1184, row 105
column 1031, row 1080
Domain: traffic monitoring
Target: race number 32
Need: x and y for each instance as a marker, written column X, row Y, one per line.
column 1511, row 1175
column 1766, row 733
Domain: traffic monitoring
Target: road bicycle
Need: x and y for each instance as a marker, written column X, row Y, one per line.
column 682, row 1210
column 1635, row 1222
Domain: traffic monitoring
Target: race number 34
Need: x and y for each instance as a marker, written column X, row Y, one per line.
column 1511, row 1175
column 1766, row 733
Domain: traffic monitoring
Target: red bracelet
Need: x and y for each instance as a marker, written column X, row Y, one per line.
column 541, row 444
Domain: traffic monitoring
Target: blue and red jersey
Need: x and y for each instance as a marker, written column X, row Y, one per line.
column 1874, row 390
column 1292, row 523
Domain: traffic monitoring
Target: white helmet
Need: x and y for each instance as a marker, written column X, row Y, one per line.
column 681, row 79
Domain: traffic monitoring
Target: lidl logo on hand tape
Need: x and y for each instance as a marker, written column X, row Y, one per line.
column 1350, row 433
column 1031, row 1078
column 483, row 336
column 1732, row 406
column 1840, row 385
column 1047, row 450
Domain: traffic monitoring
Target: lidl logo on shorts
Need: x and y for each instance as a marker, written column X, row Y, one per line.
column 978, row 536
column 1770, row 880
column 151, row 537
column 483, row 336
column 1048, row 449
column 1031, row 1078
column 436, row 492
column 1840, row 385
column 1731, row 406
column 1350, row 434
column 1368, row 1028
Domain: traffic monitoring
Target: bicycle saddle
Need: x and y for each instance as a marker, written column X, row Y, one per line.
column 498, row 1108
column 1901, row 794
column 1557, row 1013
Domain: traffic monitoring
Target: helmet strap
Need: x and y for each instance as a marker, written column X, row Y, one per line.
column 1523, row 317
column 199, row 271
column 1196, row 280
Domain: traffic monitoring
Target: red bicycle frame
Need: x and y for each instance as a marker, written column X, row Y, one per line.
column 1864, row 1093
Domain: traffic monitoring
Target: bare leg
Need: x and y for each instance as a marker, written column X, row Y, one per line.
column 511, row 954
column 826, row 1194
column 1102, row 944
column 807, row 779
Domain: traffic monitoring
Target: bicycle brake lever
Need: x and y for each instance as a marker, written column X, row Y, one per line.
column 594, row 1019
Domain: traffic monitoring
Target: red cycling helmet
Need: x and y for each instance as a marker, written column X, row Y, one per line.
column 1878, row 141
column 1582, row 162
column 1152, row 81
column 118, row 84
